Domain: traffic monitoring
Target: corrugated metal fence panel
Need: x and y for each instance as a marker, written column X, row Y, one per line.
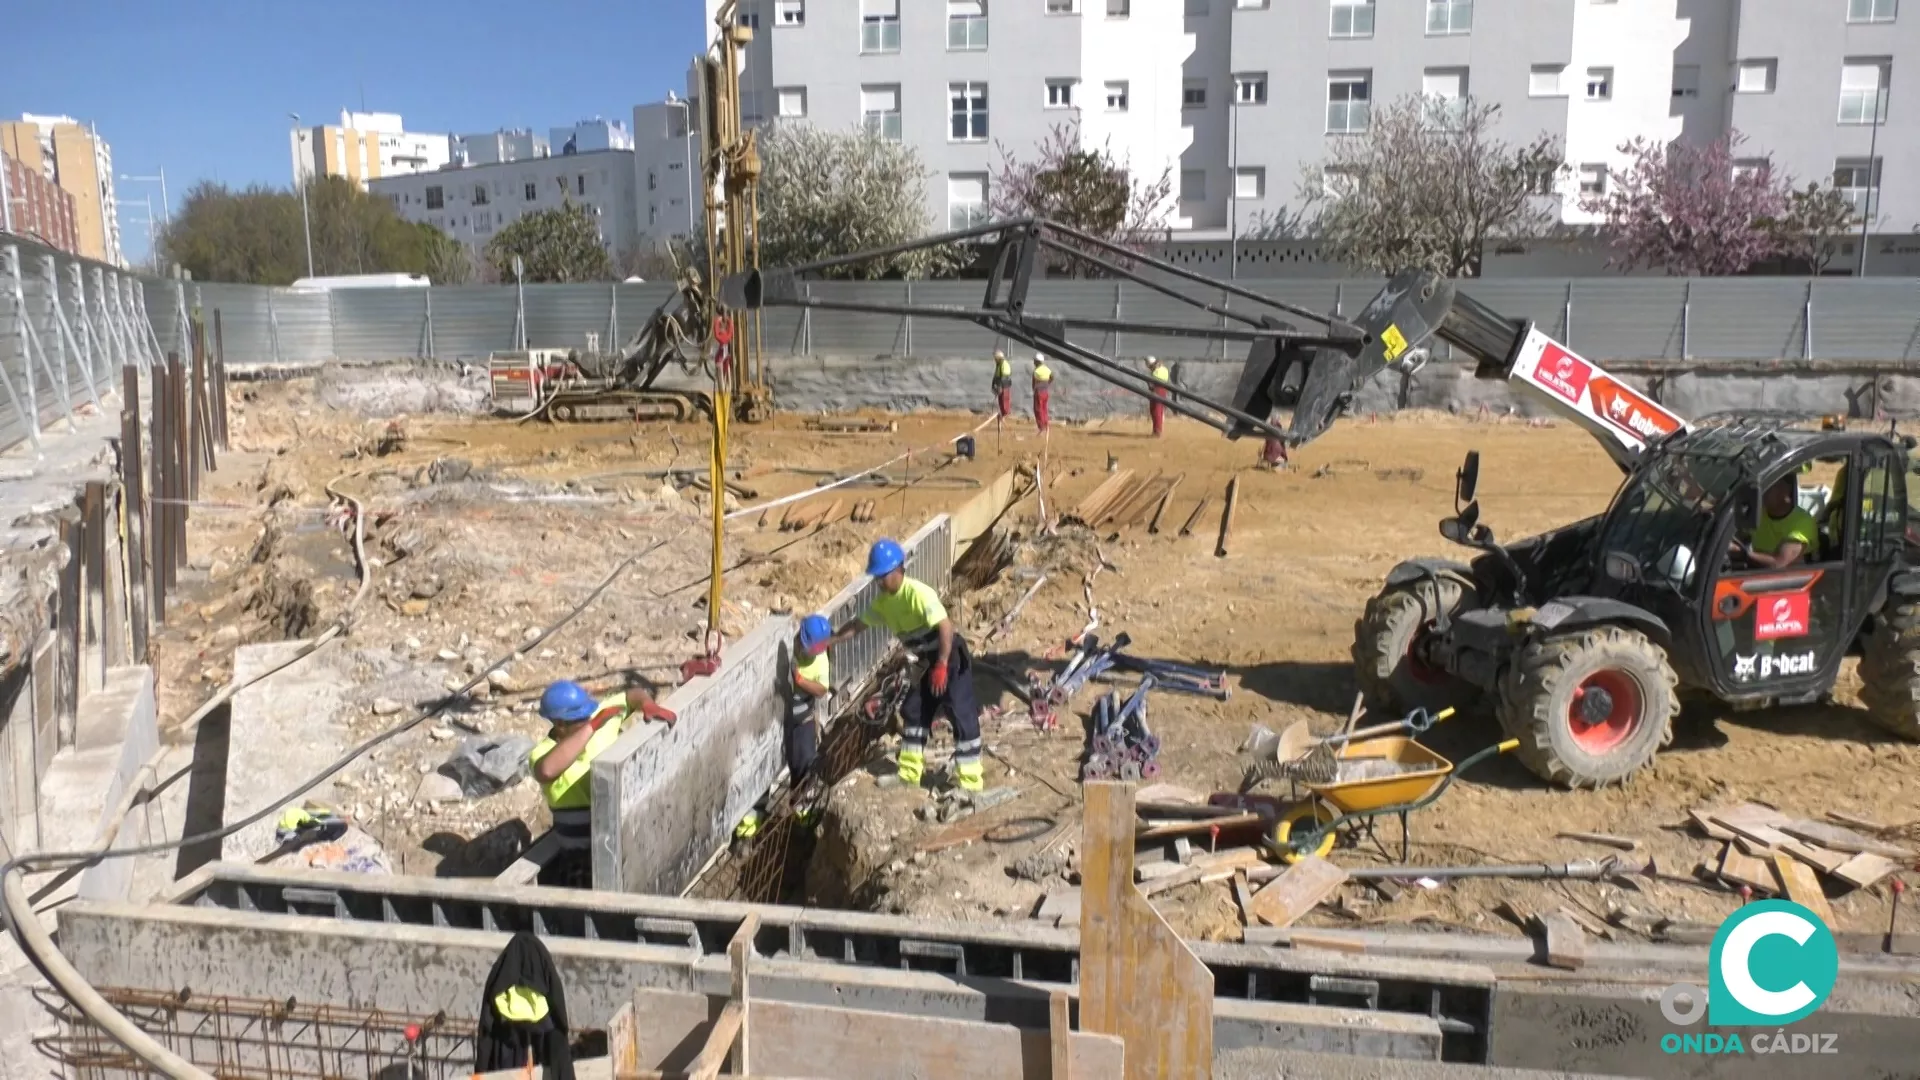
column 380, row 324
column 1077, row 299
column 305, row 325
column 561, row 316
column 633, row 306
column 1749, row 318
column 1543, row 302
column 1628, row 318
column 951, row 337
column 852, row 333
column 1875, row 319
column 46, row 367
column 470, row 321
column 1141, row 304
column 246, row 330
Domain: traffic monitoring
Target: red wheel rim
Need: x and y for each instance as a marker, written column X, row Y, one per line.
column 1422, row 671
column 1618, row 721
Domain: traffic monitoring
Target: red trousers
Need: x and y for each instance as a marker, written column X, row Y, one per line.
column 1005, row 395
column 1273, row 453
column 1041, row 395
column 1158, row 412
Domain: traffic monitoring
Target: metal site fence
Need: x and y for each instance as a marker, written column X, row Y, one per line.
column 50, row 368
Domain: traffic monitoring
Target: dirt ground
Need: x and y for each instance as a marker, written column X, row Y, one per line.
column 474, row 563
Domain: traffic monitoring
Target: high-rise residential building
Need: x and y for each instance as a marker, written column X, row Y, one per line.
column 33, row 206
column 590, row 135
column 470, row 203
column 365, row 146
column 494, row 147
column 79, row 162
column 1239, row 101
column 666, row 171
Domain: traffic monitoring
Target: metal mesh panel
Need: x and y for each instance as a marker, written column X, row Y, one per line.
column 1875, row 319
column 1748, row 318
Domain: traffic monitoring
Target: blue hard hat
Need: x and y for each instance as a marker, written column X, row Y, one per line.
column 566, row 703
column 814, row 632
column 885, row 558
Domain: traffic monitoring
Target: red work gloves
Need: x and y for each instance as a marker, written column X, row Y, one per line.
column 652, row 710
column 937, row 679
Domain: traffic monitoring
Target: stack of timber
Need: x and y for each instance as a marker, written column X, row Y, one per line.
column 1126, row 500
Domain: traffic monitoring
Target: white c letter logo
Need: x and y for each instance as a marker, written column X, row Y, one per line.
column 1737, row 951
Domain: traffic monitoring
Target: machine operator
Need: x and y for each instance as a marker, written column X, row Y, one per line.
column 1786, row 533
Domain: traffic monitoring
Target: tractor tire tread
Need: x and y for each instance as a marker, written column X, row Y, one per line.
column 1379, row 650
column 1530, row 687
column 1890, row 663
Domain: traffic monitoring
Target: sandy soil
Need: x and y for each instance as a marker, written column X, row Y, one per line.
column 1309, row 546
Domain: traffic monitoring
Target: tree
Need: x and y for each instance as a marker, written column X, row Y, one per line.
column 256, row 236
column 1430, row 184
column 1083, row 188
column 1692, row 210
column 560, row 244
column 1809, row 230
column 826, row 193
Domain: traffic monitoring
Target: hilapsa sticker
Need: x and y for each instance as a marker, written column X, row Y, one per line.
column 1781, row 616
column 1562, row 372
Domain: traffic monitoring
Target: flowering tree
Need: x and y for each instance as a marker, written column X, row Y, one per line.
column 827, row 193
column 1693, row 210
column 1429, row 184
column 1083, row 188
column 1808, row 232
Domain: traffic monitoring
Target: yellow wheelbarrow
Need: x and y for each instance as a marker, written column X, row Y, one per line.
column 1409, row 776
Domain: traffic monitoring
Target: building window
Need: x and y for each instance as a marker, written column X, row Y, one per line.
column 1593, row 180
column 1060, row 93
column 1872, row 10
column 1446, row 92
column 879, row 26
column 1119, row 9
column 1249, row 4
column 1544, row 80
column 1449, row 16
column 967, row 200
column 1063, row 7
column 748, row 19
column 436, row 199
column 653, row 180
column 1250, row 89
column 1193, row 185
column 789, row 12
column 967, row 109
column 1600, row 84
column 1338, row 182
column 1349, row 103
column 1863, row 90
column 580, row 184
column 1250, row 183
column 1352, row 19
column 1117, row 96
column 1686, row 80
column 880, row 111
column 792, row 101
column 1751, row 167
column 1858, row 181
column 533, row 191
column 966, row 25
column 1756, row 76
column 480, row 195
column 1193, row 94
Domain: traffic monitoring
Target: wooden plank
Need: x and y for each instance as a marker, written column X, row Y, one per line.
column 1803, row 887
column 1297, row 891
column 1243, row 897
column 1138, row 980
column 1099, row 496
column 1755, row 822
column 1864, row 869
column 1855, row 821
column 623, row 1041
column 1198, row 509
column 1060, row 1034
column 1306, row 939
column 739, row 954
column 1226, row 518
column 713, row 1056
column 1703, row 820
column 1624, row 843
column 1737, row 868
column 1836, row 838
column 1160, row 510
column 1565, row 944
column 1197, row 828
column 1124, row 505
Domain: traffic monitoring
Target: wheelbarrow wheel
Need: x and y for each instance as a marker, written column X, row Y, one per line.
column 1387, row 659
column 1308, row 816
column 1590, row 708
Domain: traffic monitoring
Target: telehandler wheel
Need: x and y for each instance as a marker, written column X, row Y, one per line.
column 1590, row 708
column 1384, row 661
column 1890, row 665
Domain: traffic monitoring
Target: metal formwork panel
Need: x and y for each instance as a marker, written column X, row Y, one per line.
column 1749, row 318
column 1871, row 319
column 379, row 324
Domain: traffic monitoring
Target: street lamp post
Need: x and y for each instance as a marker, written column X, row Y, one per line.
column 166, row 214
column 306, row 220
column 1873, row 177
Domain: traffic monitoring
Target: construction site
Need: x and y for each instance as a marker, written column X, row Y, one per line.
column 1378, row 688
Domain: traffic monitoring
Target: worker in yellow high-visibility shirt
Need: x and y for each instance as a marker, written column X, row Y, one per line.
column 1162, row 375
column 1042, row 392
column 1003, row 383
column 583, row 729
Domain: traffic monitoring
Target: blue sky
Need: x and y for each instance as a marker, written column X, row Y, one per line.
column 202, row 88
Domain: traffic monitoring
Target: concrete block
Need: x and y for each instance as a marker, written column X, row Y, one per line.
column 119, row 729
column 665, row 799
column 280, row 731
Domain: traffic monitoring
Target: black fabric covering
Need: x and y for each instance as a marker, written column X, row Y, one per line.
column 503, row 1044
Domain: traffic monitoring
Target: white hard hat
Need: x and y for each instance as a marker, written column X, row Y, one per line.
column 1039, row 358
column 998, row 355
column 1153, row 361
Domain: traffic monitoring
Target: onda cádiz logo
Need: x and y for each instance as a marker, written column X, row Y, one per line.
column 1772, row 963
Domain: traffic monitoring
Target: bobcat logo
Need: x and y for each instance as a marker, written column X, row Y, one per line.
column 1743, row 667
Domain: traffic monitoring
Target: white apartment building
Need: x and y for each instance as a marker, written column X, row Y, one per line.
column 366, row 146
column 1239, row 99
column 473, row 203
column 494, row 147
column 590, row 135
column 665, row 166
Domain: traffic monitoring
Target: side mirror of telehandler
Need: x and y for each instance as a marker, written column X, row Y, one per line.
column 1467, row 481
